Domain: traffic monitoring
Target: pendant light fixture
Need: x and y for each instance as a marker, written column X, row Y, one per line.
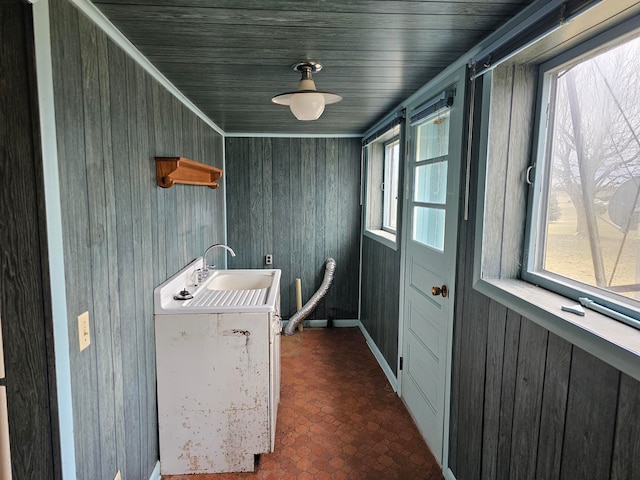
column 306, row 103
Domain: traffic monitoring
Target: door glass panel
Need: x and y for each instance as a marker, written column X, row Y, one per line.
column 431, row 183
column 432, row 139
column 428, row 226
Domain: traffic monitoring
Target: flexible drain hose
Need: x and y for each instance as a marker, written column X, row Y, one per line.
column 300, row 315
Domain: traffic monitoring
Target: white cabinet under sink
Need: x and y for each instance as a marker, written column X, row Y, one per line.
column 218, row 386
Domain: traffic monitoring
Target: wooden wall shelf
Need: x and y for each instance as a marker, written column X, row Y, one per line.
column 172, row 170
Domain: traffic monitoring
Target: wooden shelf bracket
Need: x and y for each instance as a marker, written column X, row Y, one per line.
column 172, row 170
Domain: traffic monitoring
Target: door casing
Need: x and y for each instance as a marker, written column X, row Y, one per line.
column 456, row 151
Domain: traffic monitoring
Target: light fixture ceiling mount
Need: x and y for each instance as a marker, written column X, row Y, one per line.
column 306, row 103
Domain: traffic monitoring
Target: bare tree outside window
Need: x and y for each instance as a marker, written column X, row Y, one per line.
column 593, row 144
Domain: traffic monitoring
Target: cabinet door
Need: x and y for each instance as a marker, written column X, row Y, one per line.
column 213, row 391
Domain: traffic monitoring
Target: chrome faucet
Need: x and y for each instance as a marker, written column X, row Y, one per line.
column 203, row 273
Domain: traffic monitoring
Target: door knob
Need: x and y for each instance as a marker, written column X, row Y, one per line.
column 440, row 291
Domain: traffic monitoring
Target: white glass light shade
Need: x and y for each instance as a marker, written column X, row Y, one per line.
column 307, row 106
column 306, row 103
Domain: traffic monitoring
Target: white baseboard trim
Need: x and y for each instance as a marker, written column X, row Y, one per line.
column 448, row 474
column 380, row 358
column 323, row 323
column 155, row 475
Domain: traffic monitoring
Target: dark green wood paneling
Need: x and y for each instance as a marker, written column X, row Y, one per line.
column 125, row 259
column 75, row 222
column 463, row 278
column 305, row 216
column 121, row 256
column 123, row 235
column 626, row 456
column 507, row 393
column 333, row 198
column 321, row 169
column 496, row 324
column 380, row 297
column 25, row 310
column 473, row 341
column 282, row 205
column 590, row 421
column 470, row 336
column 532, row 351
column 297, row 199
column 551, row 410
column 554, row 407
column 96, row 155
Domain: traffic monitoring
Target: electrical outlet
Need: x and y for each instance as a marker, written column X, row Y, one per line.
column 268, row 259
column 83, row 330
column 117, row 477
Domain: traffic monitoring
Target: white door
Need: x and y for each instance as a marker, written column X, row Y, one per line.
column 430, row 237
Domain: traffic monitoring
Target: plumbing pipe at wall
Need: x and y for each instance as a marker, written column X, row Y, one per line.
column 300, row 315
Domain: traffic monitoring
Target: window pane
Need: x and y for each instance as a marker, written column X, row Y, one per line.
column 391, row 166
column 382, row 162
column 593, row 204
column 431, row 183
column 428, row 226
column 433, row 137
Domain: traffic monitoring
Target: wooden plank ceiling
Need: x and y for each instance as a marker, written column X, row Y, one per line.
column 230, row 57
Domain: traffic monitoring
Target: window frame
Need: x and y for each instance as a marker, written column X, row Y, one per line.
column 374, row 153
column 539, row 191
column 387, row 202
column 609, row 340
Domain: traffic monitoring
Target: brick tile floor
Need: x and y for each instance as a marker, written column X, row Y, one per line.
column 338, row 419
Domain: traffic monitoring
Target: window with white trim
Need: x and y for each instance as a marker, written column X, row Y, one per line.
column 383, row 155
column 584, row 230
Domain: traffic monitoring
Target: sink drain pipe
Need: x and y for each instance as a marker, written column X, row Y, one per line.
column 300, row 315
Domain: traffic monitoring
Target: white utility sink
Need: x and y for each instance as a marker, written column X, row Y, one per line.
column 239, row 279
column 218, row 369
column 223, row 291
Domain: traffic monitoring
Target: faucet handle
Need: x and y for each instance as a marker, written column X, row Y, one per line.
column 199, row 275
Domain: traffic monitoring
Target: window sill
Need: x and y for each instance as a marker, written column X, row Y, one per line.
column 384, row 237
column 609, row 340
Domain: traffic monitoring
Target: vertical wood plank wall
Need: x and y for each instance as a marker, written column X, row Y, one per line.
column 297, row 199
column 380, row 297
column 527, row 404
column 25, row 310
column 123, row 235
